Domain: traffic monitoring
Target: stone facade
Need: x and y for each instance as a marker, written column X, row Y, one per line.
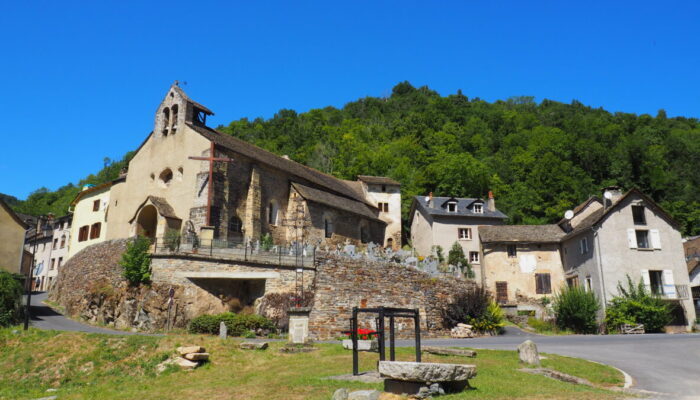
column 343, row 283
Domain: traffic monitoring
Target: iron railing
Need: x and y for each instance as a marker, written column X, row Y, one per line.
column 682, row 293
column 293, row 255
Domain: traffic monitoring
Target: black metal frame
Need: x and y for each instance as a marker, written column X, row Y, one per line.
column 382, row 313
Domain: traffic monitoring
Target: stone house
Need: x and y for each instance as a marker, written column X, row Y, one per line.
column 385, row 194
column 442, row 221
column 599, row 244
column 521, row 262
column 189, row 178
column 51, row 249
column 12, row 232
column 89, row 222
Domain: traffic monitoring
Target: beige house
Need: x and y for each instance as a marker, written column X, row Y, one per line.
column 12, row 231
column 691, row 246
column 599, row 244
column 521, row 262
column 90, row 212
column 212, row 187
column 385, row 194
column 443, row 221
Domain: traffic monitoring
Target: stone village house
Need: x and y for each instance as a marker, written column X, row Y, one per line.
column 691, row 247
column 12, row 231
column 442, row 221
column 602, row 243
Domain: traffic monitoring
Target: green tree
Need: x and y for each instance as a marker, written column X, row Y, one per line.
column 635, row 305
column 136, row 261
column 11, row 310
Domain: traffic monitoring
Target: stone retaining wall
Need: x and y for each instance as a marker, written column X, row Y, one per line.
column 343, row 283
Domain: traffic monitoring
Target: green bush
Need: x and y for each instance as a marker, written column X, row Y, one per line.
column 172, row 239
column 11, row 310
column 492, row 321
column 456, row 257
column 266, row 242
column 136, row 261
column 236, row 324
column 576, row 310
column 544, row 326
column 466, row 306
column 635, row 305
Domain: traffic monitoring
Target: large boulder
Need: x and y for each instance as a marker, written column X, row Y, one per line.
column 527, row 351
column 426, row 372
column 183, row 350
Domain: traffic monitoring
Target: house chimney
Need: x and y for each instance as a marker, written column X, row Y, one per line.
column 430, row 200
column 491, row 205
column 610, row 195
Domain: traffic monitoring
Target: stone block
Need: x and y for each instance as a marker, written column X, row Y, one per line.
column 190, row 349
column 362, row 345
column 185, row 364
column 364, row 395
column 253, row 345
column 197, row 356
column 527, row 351
column 340, row 394
column 426, row 372
column 445, row 351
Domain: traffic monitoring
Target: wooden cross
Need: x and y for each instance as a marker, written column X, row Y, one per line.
column 211, row 160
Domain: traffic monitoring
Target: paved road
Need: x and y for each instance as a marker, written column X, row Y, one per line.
column 657, row 362
column 43, row 317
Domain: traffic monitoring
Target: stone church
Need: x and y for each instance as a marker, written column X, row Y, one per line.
column 189, row 178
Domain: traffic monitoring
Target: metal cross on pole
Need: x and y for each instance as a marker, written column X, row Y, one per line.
column 212, row 159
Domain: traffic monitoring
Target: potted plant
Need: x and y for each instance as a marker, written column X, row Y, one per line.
column 366, row 340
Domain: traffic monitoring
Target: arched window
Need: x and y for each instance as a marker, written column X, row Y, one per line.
column 390, row 243
column 235, row 225
column 272, row 211
column 165, row 177
column 174, row 109
column 166, row 121
column 63, row 241
column 180, row 173
column 327, row 227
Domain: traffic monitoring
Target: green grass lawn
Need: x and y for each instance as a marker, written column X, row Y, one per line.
column 93, row 366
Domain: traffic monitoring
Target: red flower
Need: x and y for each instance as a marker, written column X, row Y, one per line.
column 363, row 334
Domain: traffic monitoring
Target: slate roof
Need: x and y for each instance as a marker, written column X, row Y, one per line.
column 440, row 208
column 329, row 199
column 234, row 144
column 521, row 233
column 378, row 180
column 187, row 98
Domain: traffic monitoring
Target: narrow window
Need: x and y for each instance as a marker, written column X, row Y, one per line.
column 383, row 207
column 512, row 250
column 55, row 243
column 174, row 117
column 583, row 244
column 327, row 228
column 638, row 215
column 589, row 284
column 474, row 257
column 63, row 241
column 272, row 213
column 572, row 282
column 642, row 239
column 166, row 121
column 83, row 233
column 543, row 284
column 53, row 264
column 464, row 233
column 235, row 225
column 96, row 205
column 452, row 207
column 60, row 260
column 478, row 208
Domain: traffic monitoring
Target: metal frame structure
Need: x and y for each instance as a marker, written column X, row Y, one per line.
column 382, row 313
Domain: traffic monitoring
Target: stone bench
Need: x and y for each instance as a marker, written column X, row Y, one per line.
column 425, row 379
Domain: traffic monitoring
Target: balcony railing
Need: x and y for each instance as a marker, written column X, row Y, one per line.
column 682, row 293
column 290, row 255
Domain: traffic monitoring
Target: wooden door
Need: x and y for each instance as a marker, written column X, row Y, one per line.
column 502, row 292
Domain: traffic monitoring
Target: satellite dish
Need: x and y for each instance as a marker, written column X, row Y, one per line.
column 607, row 195
column 427, row 199
column 569, row 214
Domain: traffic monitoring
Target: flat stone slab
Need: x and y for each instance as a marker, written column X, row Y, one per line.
column 426, row 372
column 365, row 377
column 253, row 345
column 445, row 351
column 560, row 376
column 190, row 349
column 197, row 356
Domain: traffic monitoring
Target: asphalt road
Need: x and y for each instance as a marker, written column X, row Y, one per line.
column 667, row 364
column 43, row 317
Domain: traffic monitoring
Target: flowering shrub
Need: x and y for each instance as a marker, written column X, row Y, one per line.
column 363, row 334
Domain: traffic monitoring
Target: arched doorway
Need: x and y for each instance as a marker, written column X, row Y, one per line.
column 147, row 222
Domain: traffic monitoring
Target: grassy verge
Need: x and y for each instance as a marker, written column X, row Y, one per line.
column 90, row 366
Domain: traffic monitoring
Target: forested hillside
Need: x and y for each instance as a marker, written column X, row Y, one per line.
column 540, row 159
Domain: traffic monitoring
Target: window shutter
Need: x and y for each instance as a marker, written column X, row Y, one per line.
column 547, row 283
column 655, row 238
column 669, row 284
column 632, row 241
column 646, row 280
column 538, row 284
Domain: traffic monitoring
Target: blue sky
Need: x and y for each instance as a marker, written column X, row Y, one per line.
column 81, row 80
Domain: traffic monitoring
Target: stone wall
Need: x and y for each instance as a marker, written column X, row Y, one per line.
column 343, row 283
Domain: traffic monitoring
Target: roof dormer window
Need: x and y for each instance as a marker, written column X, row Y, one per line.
column 478, row 208
column 452, row 207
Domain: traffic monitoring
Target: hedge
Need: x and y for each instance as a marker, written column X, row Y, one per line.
column 236, row 324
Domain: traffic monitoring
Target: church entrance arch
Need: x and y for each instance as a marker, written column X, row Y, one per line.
column 147, row 222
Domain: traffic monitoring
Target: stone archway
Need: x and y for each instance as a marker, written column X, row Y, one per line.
column 147, row 222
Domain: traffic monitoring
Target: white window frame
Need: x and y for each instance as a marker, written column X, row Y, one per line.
column 468, row 235
column 583, row 245
column 478, row 208
column 472, row 259
column 452, row 207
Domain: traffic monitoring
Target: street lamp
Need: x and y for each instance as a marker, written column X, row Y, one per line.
column 45, row 230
